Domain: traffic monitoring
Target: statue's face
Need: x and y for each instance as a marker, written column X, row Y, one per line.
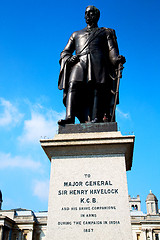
column 90, row 15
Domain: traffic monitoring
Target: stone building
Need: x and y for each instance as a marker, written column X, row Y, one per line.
column 145, row 226
column 23, row 224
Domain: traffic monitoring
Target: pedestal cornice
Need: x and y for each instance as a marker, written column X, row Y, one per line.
column 98, row 143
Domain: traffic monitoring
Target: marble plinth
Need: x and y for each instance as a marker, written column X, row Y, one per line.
column 88, row 196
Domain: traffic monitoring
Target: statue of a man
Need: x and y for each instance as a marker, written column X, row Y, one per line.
column 88, row 78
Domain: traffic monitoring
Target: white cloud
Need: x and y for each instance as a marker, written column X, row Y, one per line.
column 9, row 114
column 8, row 161
column 41, row 189
column 41, row 125
column 122, row 114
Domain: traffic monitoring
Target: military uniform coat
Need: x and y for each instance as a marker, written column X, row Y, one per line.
column 97, row 51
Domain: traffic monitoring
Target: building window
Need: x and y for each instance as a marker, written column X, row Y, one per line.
column 38, row 236
column 138, row 236
column 134, row 207
column 14, row 236
column 25, row 236
column 151, row 207
column 156, row 237
column 156, row 208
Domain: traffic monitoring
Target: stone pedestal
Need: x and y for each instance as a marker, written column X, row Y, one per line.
column 88, row 196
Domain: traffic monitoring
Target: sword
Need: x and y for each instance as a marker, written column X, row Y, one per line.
column 119, row 75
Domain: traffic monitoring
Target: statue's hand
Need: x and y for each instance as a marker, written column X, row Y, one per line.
column 73, row 60
column 121, row 59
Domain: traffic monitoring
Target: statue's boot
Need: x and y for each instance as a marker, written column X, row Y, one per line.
column 66, row 121
column 95, row 120
column 70, row 104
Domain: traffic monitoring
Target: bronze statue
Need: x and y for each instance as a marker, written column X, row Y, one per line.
column 89, row 78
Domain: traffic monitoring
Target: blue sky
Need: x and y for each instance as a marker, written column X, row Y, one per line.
column 33, row 33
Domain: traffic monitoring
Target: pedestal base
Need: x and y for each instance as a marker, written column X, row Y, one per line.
column 88, row 196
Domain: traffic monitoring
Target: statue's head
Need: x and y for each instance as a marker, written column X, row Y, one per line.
column 92, row 15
